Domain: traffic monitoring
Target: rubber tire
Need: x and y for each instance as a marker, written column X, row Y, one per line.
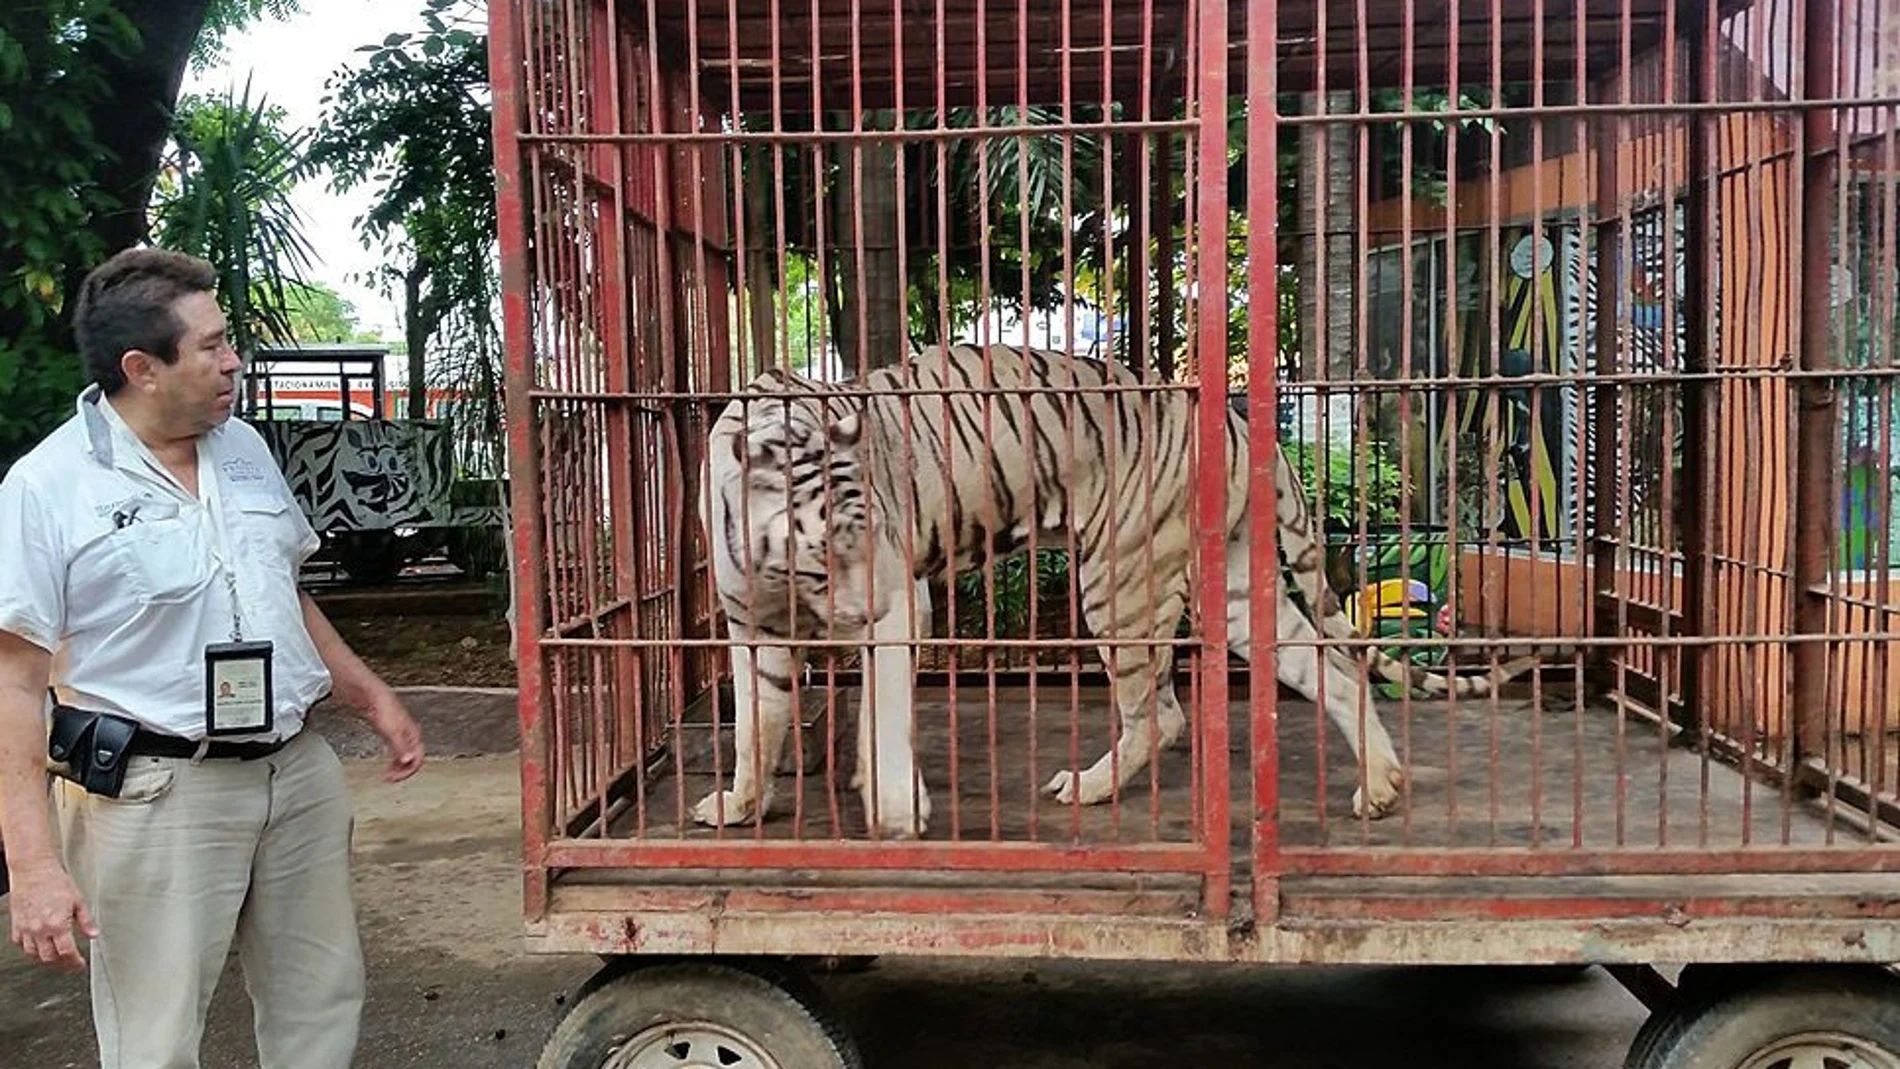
column 1718, row 1024
column 776, row 1009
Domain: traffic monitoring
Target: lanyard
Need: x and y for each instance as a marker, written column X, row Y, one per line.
column 213, row 497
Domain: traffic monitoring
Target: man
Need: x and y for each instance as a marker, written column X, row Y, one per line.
column 152, row 548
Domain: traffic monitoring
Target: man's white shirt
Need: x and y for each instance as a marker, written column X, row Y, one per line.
column 107, row 563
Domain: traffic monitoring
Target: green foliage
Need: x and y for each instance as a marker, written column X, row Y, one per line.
column 320, row 314
column 226, row 196
column 413, row 122
column 50, row 82
column 1003, row 589
column 61, row 189
column 1378, row 483
column 228, row 16
column 1013, row 204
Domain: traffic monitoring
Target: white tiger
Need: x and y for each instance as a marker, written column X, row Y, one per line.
column 813, row 497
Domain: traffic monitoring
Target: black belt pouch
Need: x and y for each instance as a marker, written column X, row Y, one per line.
column 90, row 748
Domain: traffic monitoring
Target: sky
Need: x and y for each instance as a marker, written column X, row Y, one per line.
column 287, row 62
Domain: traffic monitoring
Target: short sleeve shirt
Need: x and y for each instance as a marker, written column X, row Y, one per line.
column 119, row 573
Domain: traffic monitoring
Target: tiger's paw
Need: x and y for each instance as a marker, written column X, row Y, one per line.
column 726, row 808
column 1066, row 787
column 1379, row 796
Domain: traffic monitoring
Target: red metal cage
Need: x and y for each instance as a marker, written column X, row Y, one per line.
column 1577, row 321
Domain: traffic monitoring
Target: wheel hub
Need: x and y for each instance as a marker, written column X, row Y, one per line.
column 692, row 1045
column 1823, row 1050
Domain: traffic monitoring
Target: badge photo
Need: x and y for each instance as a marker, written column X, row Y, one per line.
column 238, row 688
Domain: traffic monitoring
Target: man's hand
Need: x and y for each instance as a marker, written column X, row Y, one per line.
column 401, row 737
column 45, row 905
column 360, row 689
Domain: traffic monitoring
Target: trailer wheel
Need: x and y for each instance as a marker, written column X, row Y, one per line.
column 700, row 1015
column 1802, row 1018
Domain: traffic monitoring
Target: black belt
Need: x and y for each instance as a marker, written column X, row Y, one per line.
column 153, row 744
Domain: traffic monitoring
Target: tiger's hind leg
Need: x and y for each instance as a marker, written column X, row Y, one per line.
column 1151, row 715
column 1302, row 667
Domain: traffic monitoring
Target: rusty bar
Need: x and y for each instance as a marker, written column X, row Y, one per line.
column 1816, row 500
column 1493, row 291
column 1263, row 570
column 1407, row 76
column 1540, row 355
column 1608, row 109
column 1644, row 903
column 1211, row 716
column 1634, row 160
column 1621, row 861
column 1451, row 342
column 661, row 108
column 986, row 297
column 1580, row 519
column 1362, row 195
column 1395, row 641
column 1887, row 282
column 616, row 328
column 1066, row 80
column 1714, row 374
column 863, row 855
column 1662, row 593
column 526, row 503
column 1696, row 518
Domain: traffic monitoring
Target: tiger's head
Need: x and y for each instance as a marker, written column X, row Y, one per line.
column 803, row 516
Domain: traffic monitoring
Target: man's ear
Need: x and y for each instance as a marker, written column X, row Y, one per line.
column 140, row 368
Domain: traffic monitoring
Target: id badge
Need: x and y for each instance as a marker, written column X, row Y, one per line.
column 237, row 688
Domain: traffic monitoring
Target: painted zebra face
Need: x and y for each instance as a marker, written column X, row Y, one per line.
column 805, row 511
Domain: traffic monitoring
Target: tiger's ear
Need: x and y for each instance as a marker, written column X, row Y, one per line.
column 844, row 432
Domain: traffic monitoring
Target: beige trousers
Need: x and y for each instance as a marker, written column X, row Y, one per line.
column 191, row 855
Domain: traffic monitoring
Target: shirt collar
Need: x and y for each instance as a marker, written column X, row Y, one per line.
column 96, row 413
column 109, row 439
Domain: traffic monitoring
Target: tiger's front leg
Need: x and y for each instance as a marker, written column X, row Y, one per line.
column 762, row 714
column 896, row 802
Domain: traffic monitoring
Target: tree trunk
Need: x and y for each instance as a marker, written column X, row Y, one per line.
column 880, row 313
column 761, row 263
column 133, row 122
column 1328, row 182
column 418, row 323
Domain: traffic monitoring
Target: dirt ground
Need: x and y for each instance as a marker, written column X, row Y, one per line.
column 437, row 868
column 432, row 649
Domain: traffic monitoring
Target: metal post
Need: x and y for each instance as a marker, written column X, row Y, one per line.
column 1610, row 289
column 1210, row 399
column 1263, row 365
column 1816, row 498
column 526, row 500
column 1697, row 303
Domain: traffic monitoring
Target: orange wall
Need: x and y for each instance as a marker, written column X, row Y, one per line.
column 1747, row 451
column 1548, row 599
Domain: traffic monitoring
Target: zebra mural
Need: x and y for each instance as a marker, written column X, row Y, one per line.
column 1537, row 290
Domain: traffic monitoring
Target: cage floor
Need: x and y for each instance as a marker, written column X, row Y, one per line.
column 1509, row 774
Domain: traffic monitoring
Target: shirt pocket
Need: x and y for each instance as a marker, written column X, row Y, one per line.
column 263, row 525
column 164, row 555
